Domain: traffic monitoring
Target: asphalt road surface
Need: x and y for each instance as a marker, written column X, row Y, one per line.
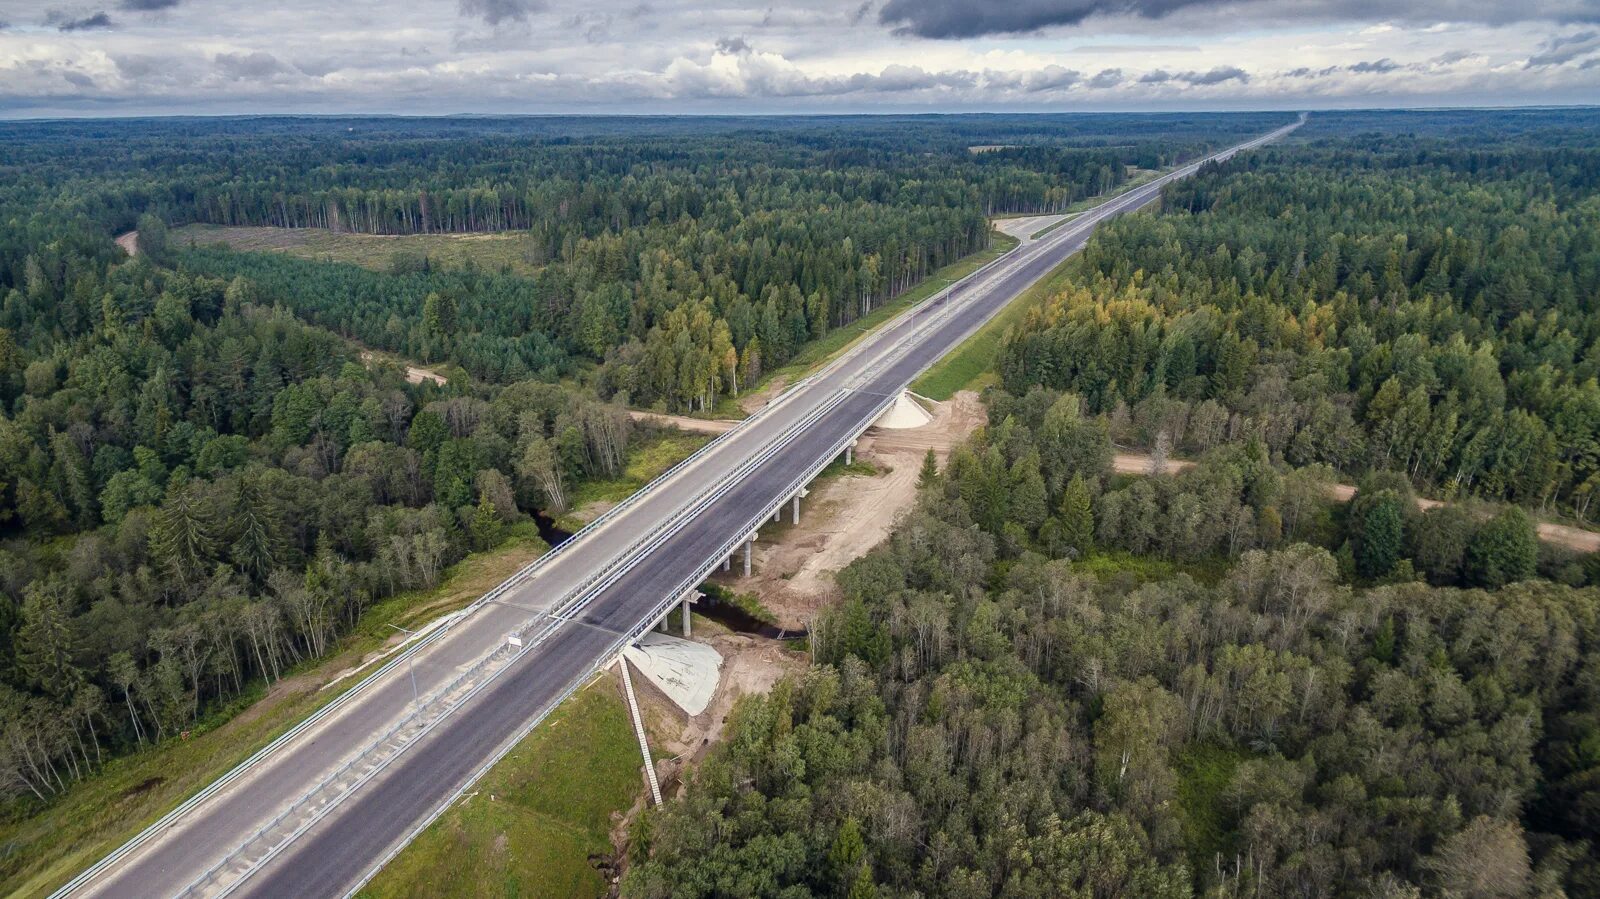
column 366, row 825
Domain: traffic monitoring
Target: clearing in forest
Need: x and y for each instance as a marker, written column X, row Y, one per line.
column 492, row 251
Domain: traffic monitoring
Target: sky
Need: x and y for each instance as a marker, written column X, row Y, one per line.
column 436, row 57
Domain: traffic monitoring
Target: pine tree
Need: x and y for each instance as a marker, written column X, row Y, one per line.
column 846, row 854
column 183, row 537
column 257, row 546
column 1380, row 538
column 485, row 526
column 46, row 643
column 1077, row 516
column 930, row 470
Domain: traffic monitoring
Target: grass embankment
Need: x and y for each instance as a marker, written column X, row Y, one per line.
column 99, row 813
column 831, row 345
column 646, row 462
column 972, row 364
column 491, row 250
column 536, row 821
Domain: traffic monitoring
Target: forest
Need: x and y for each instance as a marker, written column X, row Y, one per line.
column 1219, row 681
column 203, row 486
column 1408, row 303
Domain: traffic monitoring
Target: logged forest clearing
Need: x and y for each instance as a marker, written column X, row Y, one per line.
column 490, row 251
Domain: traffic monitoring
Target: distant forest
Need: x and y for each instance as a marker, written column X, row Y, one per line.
column 203, row 487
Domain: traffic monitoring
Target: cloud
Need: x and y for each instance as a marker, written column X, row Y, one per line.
column 494, row 12
column 946, row 19
column 248, row 66
column 1565, row 48
column 148, row 5
column 1378, row 66
column 1159, row 76
column 1106, row 78
column 87, row 23
column 733, row 46
column 1218, row 75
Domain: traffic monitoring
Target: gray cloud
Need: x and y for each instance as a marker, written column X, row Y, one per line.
column 1565, row 48
column 968, row 18
column 86, row 23
column 148, row 5
column 733, row 46
column 495, row 12
column 1159, row 76
column 1378, row 66
column 1217, row 75
column 248, row 66
column 1106, row 78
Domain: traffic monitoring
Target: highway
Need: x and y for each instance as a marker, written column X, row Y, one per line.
column 319, row 812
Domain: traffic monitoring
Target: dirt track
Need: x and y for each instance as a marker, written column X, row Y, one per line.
column 129, row 243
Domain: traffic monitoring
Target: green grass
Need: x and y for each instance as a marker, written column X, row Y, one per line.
column 1106, row 565
column 748, row 603
column 1051, row 227
column 99, row 813
column 531, row 826
column 972, row 364
column 646, row 461
column 492, row 250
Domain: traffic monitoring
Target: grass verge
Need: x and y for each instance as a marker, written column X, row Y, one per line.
column 825, row 349
column 972, row 364
column 491, row 250
column 537, row 822
column 646, row 462
column 40, row 852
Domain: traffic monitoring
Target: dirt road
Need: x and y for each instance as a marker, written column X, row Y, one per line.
column 415, row 374
column 129, row 243
column 683, row 422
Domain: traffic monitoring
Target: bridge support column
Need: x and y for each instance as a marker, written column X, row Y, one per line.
column 727, row 564
column 777, row 515
column 749, row 549
column 686, row 625
column 797, row 508
column 850, row 453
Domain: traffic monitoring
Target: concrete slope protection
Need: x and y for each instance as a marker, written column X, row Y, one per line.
column 320, row 811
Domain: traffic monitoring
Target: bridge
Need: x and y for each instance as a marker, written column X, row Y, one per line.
column 322, row 808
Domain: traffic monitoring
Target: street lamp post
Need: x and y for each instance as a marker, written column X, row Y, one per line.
column 411, row 663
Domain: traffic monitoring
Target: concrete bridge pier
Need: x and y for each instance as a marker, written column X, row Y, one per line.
column 689, row 599
column 796, row 502
column 850, row 453
column 749, row 550
column 727, row 564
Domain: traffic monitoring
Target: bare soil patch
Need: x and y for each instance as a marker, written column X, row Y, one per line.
column 683, row 422
column 415, row 374
column 129, row 243
column 846, row 516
